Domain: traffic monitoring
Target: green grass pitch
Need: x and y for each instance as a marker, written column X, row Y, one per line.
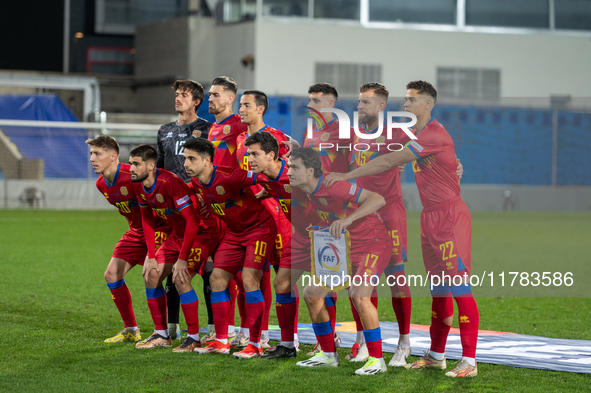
column 55, row 311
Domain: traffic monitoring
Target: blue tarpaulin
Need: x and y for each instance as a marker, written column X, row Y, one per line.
column 64, row 152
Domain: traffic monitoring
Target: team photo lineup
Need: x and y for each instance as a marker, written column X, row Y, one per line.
column 232, row 200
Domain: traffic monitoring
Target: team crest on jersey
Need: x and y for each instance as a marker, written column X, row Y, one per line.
column 220, row 190
column 226, row 130
column 124, row 190
column 159, row 198
column 323, row 202
column 324, row 137
column 196, row 133
column 381, row 139
column 287, row 188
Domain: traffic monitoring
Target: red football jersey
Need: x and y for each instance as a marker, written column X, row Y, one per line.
column 333, row 160
column 121, row 195
column 387, row 183
column 167, row 197
column 241, row 152
column 279, row 189
column 303, row 214
column 338, row 201
column 224, row 135
column 283, row 224
column 436, row 165
column 229, row 195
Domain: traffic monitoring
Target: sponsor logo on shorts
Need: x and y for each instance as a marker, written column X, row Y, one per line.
column 196, row 133
column 226, row 130
column 124, row 190
column 220, row 190
column 353, row 189
column 159, row 198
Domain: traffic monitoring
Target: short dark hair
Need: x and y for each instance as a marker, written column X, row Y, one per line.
column 201, row 146
column 226, row 82
column 260, row 98
column 310, row 157
column 145, row 152
column 104, row 142
column 423, row 87
column 266, row 140
column 378, row 88
column 195, row 88
column 325, row 88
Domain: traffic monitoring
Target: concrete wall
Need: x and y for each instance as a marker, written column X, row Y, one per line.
column 531, row 65
column 161, row 49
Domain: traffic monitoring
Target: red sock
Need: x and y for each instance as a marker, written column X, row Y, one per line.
column 255, row 307
column 325, row 336
column 241, row 300
column 268, row 295
column 469, row 320
column 286, row 307
column 122, row 299
column 157, row 306
column 442, row 307
column 220, row 305
column 190, row 306
column 296, row 292
column 233, row 295
column 373, row 340
column 401, row 299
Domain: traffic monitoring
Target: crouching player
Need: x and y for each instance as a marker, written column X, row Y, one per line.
column 263, row 151
column 246, row 246
column 184, row 252
column 115, row 184
column 341, row 206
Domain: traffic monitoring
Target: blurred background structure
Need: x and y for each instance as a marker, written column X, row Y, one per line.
column 513, row 78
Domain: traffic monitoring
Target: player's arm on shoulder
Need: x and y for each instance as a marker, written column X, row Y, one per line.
column 369, row 202
column 382, row 163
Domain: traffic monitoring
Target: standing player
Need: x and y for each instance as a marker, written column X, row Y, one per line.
column 246, row 245
column 345, row 206
column 324, row 96
column 445, row 226
column 189, row 96
column 183, row 253
column 115, row 184
column 223, row 134
column 373, row 99
column 253, row 106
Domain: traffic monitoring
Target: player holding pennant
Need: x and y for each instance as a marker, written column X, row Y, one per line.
column 345, row 206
